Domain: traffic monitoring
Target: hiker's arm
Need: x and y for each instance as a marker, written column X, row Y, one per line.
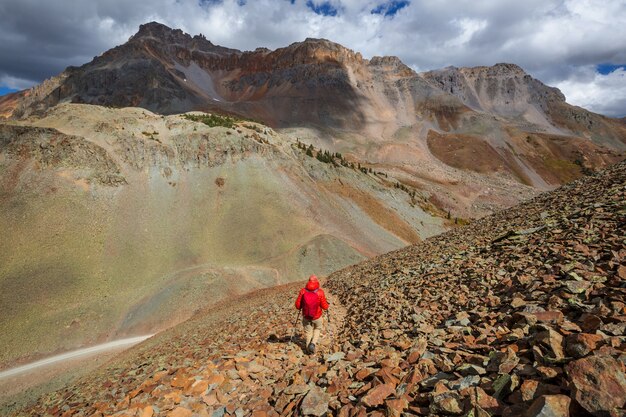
column 299, row 300
column 323, row 302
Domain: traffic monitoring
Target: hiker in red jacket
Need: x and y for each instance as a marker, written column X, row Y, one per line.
column 312, row 301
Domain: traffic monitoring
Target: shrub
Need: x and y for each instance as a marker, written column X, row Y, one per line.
column 212, row 120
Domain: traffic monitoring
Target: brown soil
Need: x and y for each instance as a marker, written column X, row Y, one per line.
column 559, row 158
column 382, row 215
column 9, row 103
column 465, row 152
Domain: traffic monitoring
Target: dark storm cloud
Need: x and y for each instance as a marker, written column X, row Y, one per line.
column 555, row 40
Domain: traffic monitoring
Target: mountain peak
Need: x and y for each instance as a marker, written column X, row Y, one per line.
column 154, row 29
column 167, row 35
column 503, row 88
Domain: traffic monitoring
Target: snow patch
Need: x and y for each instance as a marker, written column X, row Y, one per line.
column 200, row 80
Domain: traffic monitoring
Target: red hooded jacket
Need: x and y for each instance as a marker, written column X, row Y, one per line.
column 313, row 285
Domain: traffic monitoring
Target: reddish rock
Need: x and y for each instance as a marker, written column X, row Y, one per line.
column 296, row 389
column 180, row 412
column 413, row 377
column 447, row 403
column 386, row 374
column 377, row 395
column 345, row 410
column 547, row 372
column 579, row 345
column 394, row 408
column 598, row 384
column 147, row 411
column 364, row 373
column 552, row 340
column 503, row 362
column 589, row 322
column 210, row 399
column 479, row 397
column 517, row 302
column 531, row 389
column 549, row 406
column 198, row 388
column 551, row 317
column 417, row 351
column 216, row 379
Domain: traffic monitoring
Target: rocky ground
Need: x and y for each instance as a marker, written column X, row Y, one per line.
column 519, row 314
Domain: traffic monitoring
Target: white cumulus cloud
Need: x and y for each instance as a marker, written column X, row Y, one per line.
column 600, row 93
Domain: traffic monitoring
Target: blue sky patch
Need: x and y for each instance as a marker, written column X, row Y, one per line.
column 608, row 68
column 390, row 8
column 209, row 2
column 323, row 8
column 6, row 90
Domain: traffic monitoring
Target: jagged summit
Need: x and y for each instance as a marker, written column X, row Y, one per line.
column 504, row 88
column 165, row 34
column 518, row 314
column 157, row 30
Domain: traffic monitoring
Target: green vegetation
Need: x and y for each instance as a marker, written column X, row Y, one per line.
column 324, row 156
column 405, row 189
column 334, row 158
column 255, row 128
column 212, row 120
column 583, row 168
column 151, row 135
column 564, row 169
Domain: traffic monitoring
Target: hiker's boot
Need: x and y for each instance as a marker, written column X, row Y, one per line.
column 311, row 347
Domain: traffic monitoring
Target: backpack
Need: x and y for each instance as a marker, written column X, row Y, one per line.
column 310, row 304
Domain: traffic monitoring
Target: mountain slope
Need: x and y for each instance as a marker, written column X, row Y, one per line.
column 120, row 222
column 506, row 90
column 520, row 313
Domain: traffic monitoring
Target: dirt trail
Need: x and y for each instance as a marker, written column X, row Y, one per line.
column 67, row 356
column 337, row 317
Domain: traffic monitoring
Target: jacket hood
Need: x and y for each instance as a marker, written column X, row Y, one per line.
column 313, row 283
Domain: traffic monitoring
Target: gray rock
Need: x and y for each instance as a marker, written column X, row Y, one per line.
column 315, row 403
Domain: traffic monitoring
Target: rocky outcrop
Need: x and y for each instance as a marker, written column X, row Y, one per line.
column 504, row 89
column 507, row 90
column 50, row 148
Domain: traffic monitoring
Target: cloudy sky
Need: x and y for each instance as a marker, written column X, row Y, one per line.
column 576, row 45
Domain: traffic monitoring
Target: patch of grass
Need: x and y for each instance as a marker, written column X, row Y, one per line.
column 565, row 170
column 254, row 127
column 212, row 120
column 151, row 135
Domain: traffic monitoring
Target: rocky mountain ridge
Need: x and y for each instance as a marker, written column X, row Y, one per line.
column 375, row 109
column 520, row 313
